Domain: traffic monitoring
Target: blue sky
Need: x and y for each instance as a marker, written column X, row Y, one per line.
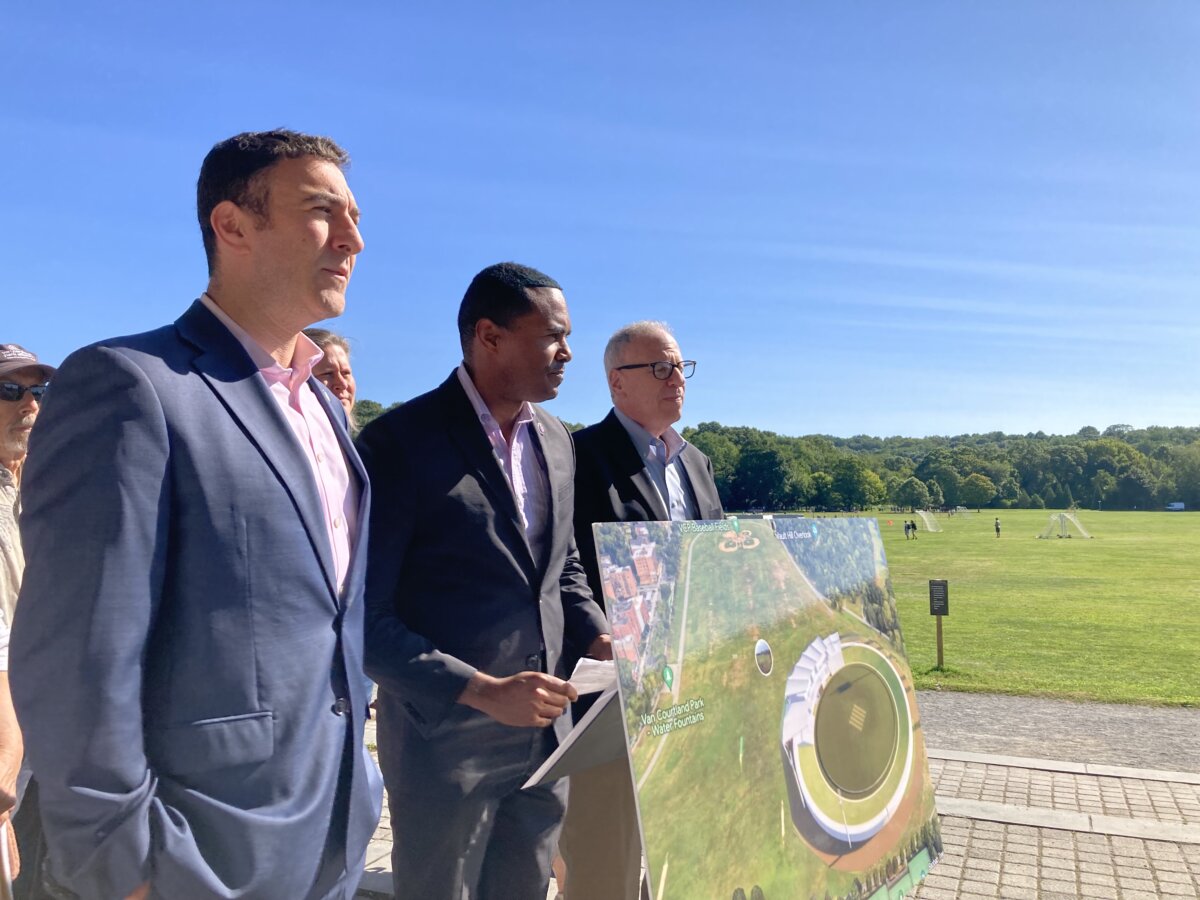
column 881, row 218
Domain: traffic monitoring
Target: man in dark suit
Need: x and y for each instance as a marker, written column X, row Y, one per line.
column 632, row 467
column 473, row 582
column 187, row 662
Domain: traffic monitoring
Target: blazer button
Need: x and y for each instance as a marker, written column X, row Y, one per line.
column 341, row 707
column 533, row 662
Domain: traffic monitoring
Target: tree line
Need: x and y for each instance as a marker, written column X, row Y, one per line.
column 1117, row 468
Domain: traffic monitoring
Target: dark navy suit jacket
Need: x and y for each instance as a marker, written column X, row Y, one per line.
column 188, row 680
column 453, row 587
column 612, row 485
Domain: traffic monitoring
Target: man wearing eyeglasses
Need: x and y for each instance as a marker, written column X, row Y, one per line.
column 631, row 467
column 23, row 380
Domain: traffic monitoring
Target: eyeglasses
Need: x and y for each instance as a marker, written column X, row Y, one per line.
column 13, row 392
column 662, row 370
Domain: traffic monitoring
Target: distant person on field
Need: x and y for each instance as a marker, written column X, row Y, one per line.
column 631, row 467
column 333, row 370
column 997, row 526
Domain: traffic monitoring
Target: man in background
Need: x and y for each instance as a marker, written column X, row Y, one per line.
column 632, row 467
column 194, row 528
column 334, row 370
column 473, row 583
column 23, row 383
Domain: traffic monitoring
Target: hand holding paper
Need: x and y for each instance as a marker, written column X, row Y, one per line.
column 592, row 675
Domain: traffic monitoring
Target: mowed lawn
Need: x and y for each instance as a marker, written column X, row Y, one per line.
column 1116, row 618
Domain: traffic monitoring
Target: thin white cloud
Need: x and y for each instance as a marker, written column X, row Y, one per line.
column 1086, row 276
column 1132, row 333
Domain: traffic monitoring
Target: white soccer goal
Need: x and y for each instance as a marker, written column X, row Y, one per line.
column 1061, row 525
column 930, row 522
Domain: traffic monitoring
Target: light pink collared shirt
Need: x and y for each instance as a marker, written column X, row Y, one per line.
column 520, row 461
column 310, row 424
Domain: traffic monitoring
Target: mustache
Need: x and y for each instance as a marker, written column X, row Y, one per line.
column 27, row 421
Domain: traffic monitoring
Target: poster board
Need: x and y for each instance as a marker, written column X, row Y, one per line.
column 769, row 709
column 597, row 738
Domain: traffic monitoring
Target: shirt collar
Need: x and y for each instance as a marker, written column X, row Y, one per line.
column 671, row 439
column 524, row 415
column 304, row 357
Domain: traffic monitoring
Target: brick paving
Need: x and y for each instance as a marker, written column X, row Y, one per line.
column 1135, row 798
column 1016, row 862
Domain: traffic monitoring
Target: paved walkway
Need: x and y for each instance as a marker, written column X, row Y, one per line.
column 1040, row 800
column 1140, row 736
column 986, row 859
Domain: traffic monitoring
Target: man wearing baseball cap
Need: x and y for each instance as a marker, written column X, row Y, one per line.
column 23, row 380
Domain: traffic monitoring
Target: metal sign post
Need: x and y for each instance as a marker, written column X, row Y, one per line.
column 939, row 605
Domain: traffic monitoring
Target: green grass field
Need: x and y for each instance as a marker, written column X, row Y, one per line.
column 1116, row 618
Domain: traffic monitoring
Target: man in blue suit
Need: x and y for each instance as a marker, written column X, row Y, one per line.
column 187, row 664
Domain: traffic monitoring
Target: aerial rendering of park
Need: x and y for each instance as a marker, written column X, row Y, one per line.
column 774, row 735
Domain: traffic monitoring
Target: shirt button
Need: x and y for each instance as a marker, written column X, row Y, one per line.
column 320, row 457
column 341, row 706
column 337, row 523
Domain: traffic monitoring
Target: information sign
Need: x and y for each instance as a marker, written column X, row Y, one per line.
column 939, row 598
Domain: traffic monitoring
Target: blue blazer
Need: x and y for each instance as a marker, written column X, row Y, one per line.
column 187, row 678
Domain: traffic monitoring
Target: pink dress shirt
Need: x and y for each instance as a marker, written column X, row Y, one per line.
column 310, row 424
column 521, row 462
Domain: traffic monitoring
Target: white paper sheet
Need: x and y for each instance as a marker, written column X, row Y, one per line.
column 593, row 675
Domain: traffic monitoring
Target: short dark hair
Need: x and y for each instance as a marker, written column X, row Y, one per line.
column 499, row 293
column 232, row 168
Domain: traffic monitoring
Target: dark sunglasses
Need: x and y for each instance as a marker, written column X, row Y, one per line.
column 13, row 392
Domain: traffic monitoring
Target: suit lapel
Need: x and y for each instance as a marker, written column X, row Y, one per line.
column 467, row 433
column 703, row 488
column 231, row 375
column 634, row 466
column 560, row 471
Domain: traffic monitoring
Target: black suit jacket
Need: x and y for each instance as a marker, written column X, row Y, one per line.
column 612, row 485
column 453, row 588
